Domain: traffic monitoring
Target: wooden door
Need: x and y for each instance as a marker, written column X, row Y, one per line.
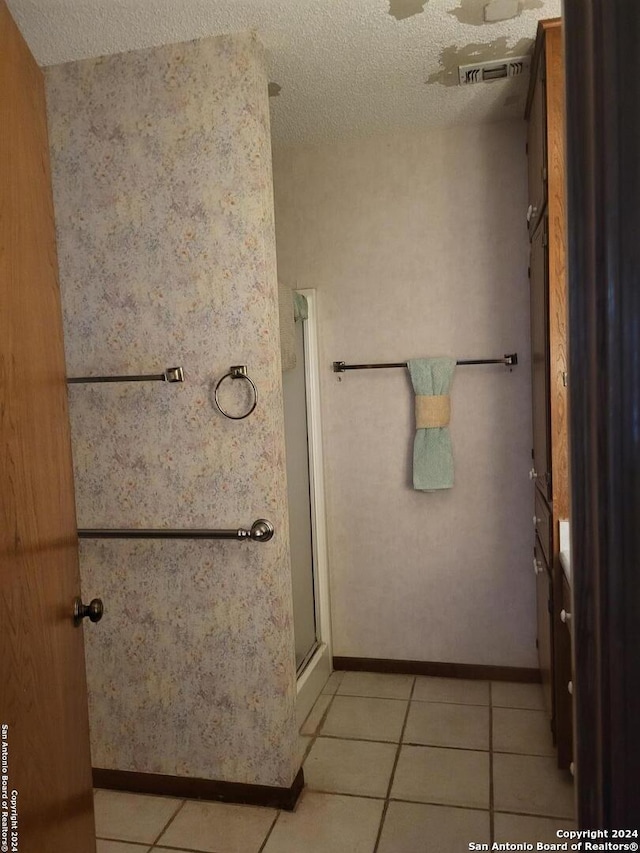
column 43, row 694
column 540, row 359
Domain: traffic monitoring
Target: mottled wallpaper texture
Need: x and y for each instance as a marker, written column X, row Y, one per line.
column 163, row 196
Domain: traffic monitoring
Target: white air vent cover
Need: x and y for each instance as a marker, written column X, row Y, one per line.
column 499, row 69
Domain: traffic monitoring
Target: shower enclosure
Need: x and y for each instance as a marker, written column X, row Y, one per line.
column 306, row 511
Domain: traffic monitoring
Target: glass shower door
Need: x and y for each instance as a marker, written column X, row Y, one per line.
column 298, row 483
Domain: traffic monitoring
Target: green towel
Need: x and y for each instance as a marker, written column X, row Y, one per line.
column 432, row 455
column 300, row 307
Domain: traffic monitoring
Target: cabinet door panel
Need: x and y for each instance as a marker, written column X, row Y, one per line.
column 544, row 525
column 544, row 597
column 540, row 360
column 536, row 150
column 563, row 674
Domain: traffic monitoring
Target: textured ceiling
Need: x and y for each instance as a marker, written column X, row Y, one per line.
column 345, row 68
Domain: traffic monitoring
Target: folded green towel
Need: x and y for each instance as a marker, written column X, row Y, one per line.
column 300, row 306
column 432, row 455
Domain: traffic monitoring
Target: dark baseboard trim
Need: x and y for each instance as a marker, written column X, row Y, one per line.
column 443, row 670
column 187, row 788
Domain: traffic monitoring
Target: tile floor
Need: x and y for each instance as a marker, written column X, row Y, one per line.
column 393, row 764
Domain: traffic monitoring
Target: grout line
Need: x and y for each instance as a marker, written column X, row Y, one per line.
column 268, row 835
column 525, row 754
column 379, row 698
column 321, row 723
column 385, row 808
column 430, row 745
column 169, row 822
column 491, row 816
column 447, row 746
column 535, row 814
column 439, row 804
column 334, row 793
column 178, row 849
column 312, row 709
column 393, row 742
column 451, row 702
column 519, row 708
column 383, row 817
column 313, row 737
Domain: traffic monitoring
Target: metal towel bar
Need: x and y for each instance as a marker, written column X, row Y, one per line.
column 510, row 360
column 260, row 531
column 171, row 374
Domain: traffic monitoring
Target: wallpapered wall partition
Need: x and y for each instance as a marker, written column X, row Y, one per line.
column 163, row 194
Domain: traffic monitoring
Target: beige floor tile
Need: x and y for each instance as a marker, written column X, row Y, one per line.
column 456, row 690
column 132, row 817
column 310, row 725
column 327, row 823
column 456, row 777
column 350, row 767
column 418, row 828
column 303, row 746
column 520, row 730
column 531, row 784
column 436, row 724
column 376, row 684
column 520, row 830
column 507, row 694
column 333, row 683
column 120, row 847
column 371, row 719
column 219, row 828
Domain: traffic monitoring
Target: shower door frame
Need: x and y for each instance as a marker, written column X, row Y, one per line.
column 314, row 675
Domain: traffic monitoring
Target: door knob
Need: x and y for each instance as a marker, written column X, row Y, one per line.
column 94, row 610
column 533, row 474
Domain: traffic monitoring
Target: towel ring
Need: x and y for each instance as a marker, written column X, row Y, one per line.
column 239, row 371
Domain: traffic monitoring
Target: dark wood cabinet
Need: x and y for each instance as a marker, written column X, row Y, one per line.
column 539, row 286
column 537, row 149
column 547, row 275
column 563, row 672
column 545, row 609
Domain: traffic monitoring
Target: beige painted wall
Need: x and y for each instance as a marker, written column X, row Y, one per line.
column 164, row 208
column 417, row 245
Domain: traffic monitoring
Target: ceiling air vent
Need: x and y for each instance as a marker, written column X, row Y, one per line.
column 484, row 72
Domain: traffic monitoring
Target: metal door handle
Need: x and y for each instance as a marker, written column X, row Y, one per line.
column 533, row 474
column 94, row 610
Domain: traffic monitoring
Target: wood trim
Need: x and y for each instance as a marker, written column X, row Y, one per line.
column 188, row 788
column 438, row 668
column 543, row 27
column 558, row 394
column 556, row 190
